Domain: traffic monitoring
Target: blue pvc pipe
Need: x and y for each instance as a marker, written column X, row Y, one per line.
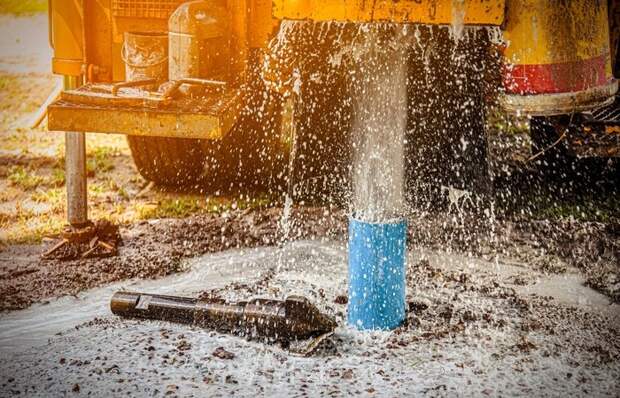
column 376, row 274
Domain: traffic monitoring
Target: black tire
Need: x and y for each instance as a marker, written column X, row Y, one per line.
column 446, row 141
column 168, row 161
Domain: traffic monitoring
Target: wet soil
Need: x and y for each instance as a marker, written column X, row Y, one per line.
column 152, row 249
column 156, row 248
column 550, row 246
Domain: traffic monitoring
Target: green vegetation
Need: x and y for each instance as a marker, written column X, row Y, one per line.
column 96, row 189
column 23, row 7
column 23, row 178
column 172, row 208
column 120, row 190
column 5, row 82
column 33, row 233
column 54, row 197
column 99, row 160
column 58, row 177
column 186, row 205
column 586, row 209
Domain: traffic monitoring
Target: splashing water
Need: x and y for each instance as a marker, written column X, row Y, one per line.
column 285, row 222
column 379, row 88
column 408, row 101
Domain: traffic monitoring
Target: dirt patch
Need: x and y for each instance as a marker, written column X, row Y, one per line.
column 530, row 317
column 152, row 249
column 546, row 245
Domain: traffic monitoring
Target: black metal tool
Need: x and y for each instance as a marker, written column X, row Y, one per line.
column 295, row 318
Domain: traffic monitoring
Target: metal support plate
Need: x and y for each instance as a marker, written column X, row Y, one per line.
column 211, row 117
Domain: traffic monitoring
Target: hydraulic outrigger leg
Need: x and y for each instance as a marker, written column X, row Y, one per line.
column 86, row 238
column 75, row 172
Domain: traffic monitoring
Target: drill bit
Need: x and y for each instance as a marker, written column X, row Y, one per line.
column 292, row 319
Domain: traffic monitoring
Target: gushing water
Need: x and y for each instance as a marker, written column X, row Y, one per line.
column 379, row 88
column 409, row 100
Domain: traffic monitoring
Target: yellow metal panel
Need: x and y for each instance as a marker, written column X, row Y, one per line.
column 98, row 114
column 99, row 39
column 239, row 35
column 67, row 36
column 132, row 122
column 543, row 32
column 471, row 12
column 262, row 23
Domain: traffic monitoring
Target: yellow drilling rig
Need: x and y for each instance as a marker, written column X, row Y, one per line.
column 179, row 77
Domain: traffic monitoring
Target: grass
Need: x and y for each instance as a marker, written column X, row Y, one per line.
column 585, row 209
column 53, row 196
column 185, row 205
column 58, row 177
column 119, row 189
column 33, row 230
column 172, row 208
column 21, row 177
column 5, row 82
column 23, row 7
column 100, row 160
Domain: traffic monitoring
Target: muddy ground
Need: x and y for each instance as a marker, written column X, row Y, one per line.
column 156, row 248
column 473, row 328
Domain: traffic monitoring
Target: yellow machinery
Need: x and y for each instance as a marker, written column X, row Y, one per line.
column 169, row 73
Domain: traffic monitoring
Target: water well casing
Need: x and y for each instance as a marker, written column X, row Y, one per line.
column 377, row 253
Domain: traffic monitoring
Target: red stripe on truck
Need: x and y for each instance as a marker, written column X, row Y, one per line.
column 556, row 78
